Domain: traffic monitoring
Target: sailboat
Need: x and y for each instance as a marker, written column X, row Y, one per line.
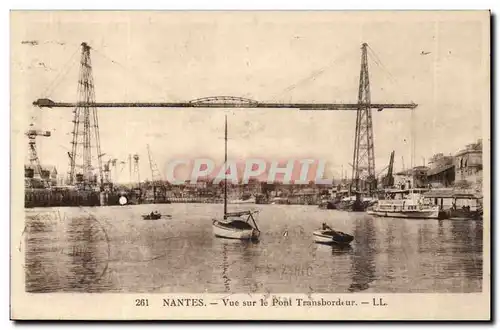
column 234, row 225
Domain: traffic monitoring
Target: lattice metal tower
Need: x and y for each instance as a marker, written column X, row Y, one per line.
column 114, row 173
column 85, row 128
column 156, row 178
column 364, row 155
column 33, row 155
column 108, row 174
column 155, row 172
column 136, row 169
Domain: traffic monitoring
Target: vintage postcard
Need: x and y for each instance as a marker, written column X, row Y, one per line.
column 264, row 165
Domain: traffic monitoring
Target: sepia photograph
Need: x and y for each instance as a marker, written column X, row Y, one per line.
column 250, row 164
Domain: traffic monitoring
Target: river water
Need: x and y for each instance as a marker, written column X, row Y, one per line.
column 112, row 249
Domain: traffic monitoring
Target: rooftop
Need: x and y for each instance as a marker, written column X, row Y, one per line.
column 439, row 169
column 411, row 171
column 472, row 148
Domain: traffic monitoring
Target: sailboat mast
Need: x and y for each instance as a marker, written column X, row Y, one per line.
column 225, row 166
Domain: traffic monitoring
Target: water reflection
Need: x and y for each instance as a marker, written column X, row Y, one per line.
column 182, row 255
column 363, row 259
column 249, row 261
column 441, row 237
column 65, row 254
column 469, row 232
column 42, row 251
column 465, row 234
column 341, row 249
column 390, row 240
column 225, row 268
column 240, row 258
column 425, row 242
column 89, row 252
column 40, row 264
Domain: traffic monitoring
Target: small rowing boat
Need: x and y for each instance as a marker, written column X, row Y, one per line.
column 151, row 216
column 330, row 236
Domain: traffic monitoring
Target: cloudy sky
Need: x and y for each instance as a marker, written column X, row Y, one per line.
column 266, row 56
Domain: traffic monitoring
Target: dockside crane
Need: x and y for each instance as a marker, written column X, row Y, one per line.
column 156, row 178
column 108, row 174
column 33, row 155
column 155, row 172
column 388, row 180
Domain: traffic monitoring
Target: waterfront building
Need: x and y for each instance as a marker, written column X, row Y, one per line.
column 441, row 173
column 415, row 177
column 469, row 166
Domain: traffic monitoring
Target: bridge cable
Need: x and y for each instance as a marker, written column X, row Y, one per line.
column 313, row 76
column 63, row 72
column 413, row 137
column 376, row 59
column 102, row 54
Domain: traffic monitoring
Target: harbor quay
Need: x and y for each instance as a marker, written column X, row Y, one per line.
column 451, row 181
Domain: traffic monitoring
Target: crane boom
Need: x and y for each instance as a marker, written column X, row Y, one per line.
column 388, row 180
column 33, row 133
column 155, row 175
column 391, row 165
column 47, row 103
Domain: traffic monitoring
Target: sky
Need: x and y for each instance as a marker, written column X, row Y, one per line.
column 266, row 56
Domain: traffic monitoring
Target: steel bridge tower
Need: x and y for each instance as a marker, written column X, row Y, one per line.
column 364, row 156
column 85, row 129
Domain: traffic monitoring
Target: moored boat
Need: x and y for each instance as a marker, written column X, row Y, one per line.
column 409, row 204
column 328, row 204
column 401, row 212
column 330, row 236
column 234, row 225
column 250, row 200
column 355, row 203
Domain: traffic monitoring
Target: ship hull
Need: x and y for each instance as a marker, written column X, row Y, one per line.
column 233, row 233
column 249, row 201
column 322, row 238
column 430, row 214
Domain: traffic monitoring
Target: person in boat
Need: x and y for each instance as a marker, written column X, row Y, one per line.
column 326, row 227
column 334, row 232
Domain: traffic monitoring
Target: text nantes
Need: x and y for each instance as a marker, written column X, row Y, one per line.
column 185, row 302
